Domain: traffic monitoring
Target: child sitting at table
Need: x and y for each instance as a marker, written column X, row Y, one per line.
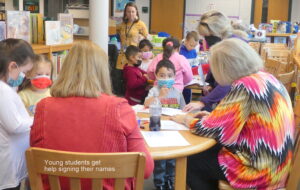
column 36, row 85
column 188, row 50
column 164, row 171
column 167, row 94
column 135, row 78
column 147, row 55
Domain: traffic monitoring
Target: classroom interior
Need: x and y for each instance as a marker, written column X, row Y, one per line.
column 273, row 28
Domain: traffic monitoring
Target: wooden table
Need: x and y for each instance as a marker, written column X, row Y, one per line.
column 197, row 144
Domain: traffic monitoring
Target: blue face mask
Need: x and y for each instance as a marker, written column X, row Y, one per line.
column 14, row 83
column 165, row 82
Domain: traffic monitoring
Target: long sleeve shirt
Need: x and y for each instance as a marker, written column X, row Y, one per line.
column 135, row 84
column 79, row 124
column 182, row 67
column 255, row 124
column 15, row 125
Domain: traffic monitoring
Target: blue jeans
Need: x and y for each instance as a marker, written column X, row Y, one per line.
column 164, row 170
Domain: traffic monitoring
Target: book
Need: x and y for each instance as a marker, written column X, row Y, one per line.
column 66, row 26
column 52, row 32
column 2, row 30
column 40, row 24
column 18, row 25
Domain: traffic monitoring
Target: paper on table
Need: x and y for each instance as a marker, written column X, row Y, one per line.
column 172, row 125
column 164, row 138
column 196, row 80
column 172, row 111
column 140, row 109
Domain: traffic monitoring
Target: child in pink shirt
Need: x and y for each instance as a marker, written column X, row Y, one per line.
column 170, row 52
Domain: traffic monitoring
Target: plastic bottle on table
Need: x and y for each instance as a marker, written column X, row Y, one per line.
column 155, row 113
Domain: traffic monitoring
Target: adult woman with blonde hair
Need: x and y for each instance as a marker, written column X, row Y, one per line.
column 214, row 26
column 84, row 116
column 253, row 125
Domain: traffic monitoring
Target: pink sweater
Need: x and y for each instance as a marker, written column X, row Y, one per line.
column 183, row 69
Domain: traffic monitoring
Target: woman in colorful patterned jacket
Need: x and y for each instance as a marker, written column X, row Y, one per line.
column 253, row 125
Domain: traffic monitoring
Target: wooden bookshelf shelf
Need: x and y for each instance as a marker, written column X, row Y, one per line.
column 45, row 49
column 279, row 34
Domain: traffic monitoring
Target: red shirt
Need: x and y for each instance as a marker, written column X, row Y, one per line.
column 135, row 84
column 79, row 124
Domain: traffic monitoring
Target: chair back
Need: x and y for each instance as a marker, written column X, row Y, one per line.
column 286, row 79
column 274, row 67
column 293, row 182
column 280, row 55
column 77, row 165
column 255, row 46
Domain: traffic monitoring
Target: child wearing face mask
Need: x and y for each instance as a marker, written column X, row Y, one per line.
column 164, row 170
column 183, row 74
column 168, row 95
column 36, row 86
column 134, row 77
column 147, row 55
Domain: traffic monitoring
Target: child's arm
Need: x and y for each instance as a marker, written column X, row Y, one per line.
column 151, row 68
column 163, row 92
column 134, row 81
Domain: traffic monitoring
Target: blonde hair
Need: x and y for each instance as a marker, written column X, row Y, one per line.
column 38, row 59
column 232, row 59
column 214, row 23
column 84, row 72
column 192, row 34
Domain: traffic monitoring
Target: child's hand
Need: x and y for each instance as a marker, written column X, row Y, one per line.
column 164, row 91
column 145, row 75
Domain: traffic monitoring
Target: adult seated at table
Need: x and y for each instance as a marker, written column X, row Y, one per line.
column 84, row 116
column 253, row 125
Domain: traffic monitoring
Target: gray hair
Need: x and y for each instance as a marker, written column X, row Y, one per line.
column 216, row 24
column 232, row 59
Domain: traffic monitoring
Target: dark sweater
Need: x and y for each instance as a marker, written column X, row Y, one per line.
column 135, row 84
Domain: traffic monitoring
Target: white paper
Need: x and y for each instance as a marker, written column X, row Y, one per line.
column 172, row 125
column 164, row 138
column 172, row 111
column 196, row 80
column 140, row 109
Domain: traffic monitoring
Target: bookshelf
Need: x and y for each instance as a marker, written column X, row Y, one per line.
column 46, row 49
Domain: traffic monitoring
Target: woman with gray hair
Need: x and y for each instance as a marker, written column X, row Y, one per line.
column 253, row 125
column 214, row 26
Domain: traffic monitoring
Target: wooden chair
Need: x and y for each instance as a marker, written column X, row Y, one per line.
column 286, row 79
column 118, row 166
column 274, row 67
column 280, row 55
column 267, row 46
column 293, row 182
column 255, row 46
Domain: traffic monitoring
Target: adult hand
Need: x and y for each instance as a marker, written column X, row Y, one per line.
column 183, row 119
column 164, row 91
column 206, row 90
column 193, row 106
column 201, row 114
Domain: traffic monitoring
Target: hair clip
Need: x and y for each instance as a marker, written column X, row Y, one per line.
column 170, row 43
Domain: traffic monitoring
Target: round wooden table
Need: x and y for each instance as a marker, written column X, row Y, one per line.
column 197, row 144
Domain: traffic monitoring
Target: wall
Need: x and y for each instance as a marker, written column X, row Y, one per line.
column 295, row 11
column 145, row 17
column 241, row 8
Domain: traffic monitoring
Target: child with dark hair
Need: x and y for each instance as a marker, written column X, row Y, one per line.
column 147, row 55
column 183, row 74
column 164, row 170
column 134, row 77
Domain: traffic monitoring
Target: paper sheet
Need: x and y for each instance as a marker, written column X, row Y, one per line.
column 140, row 109
column 168, row 125
column 164, row 138
column 172, row 125
column 172, row 111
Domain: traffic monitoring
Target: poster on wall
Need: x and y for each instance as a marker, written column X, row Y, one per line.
column 119, row 6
